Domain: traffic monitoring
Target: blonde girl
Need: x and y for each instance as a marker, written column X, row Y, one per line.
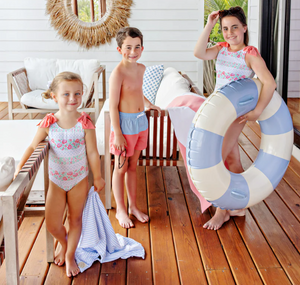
column 72, row 148
column 234, row 60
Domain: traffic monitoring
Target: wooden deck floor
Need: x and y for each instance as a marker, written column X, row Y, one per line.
column 260, row 248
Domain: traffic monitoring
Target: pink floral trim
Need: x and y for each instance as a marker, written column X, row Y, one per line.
column 47, row 121
column 86, row 121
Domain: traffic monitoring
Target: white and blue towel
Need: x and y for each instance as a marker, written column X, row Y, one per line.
column 98, row 240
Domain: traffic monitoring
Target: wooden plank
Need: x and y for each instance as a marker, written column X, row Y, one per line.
column 168, row 152
column 4, row 112
column 188, row 258
column 161, row 135
column 274, row 276
column 89, row 276
column 208, row 241
column 36, row 267
column 154, row 142
column 148, row 139
column 27, row 234
column 219, row 277
column 114, row 272
column 163, row 256
column 139, row 271
column 242, row 266
column 255, row 242
column 284, row 250
column 56, row 272
column 285, row 218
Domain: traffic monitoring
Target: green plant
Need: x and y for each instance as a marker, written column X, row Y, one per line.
column 84, row 10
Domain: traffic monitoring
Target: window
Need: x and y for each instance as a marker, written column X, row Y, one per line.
column 89, row 10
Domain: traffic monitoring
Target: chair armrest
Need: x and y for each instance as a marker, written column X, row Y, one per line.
column 19, row 80
column 94, row 89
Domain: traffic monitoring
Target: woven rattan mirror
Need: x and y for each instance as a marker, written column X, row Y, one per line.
column 88, row 35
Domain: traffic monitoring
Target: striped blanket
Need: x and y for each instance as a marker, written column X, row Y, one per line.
column 98, row 241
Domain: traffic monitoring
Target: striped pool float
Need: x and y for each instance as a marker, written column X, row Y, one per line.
column 218, row 185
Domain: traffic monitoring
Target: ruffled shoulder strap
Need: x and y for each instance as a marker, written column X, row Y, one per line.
column 47, row 121
column 86, row 121
column 223, row 44
column 251, row 50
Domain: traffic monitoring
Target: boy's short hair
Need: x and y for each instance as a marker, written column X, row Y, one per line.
column 125, row 32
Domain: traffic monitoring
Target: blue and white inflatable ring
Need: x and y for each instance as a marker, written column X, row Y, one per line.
column 218, row 185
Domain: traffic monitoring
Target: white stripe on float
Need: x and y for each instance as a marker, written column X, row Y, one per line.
column 278, row 145
column 259, row 185
column 212, row 118
column 211, row 182
column 271, row 108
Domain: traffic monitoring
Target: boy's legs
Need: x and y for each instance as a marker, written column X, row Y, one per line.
column 118, row 190
column 76, row 199
column 131, row 184
column 54, row 210
column 230, row 149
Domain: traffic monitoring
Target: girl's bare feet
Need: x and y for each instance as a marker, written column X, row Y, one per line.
column 124, row 219
column 72, row 268
column 220, row 217
column 143, row 218
column 59, row 259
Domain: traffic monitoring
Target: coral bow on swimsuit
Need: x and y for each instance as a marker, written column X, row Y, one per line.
column 86, row 121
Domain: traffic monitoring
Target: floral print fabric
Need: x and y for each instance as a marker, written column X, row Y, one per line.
column 231, row 66
column 67, row 156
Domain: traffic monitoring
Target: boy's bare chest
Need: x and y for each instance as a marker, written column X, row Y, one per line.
column 132, row 84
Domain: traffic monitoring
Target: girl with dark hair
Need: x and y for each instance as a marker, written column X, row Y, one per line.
column 234, row 60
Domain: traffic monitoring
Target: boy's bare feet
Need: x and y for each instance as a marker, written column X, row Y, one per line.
column 72, row 268
column 143, row 218
column 59, row 259
column 124, row 219
column 241, row 212
column 220, row 217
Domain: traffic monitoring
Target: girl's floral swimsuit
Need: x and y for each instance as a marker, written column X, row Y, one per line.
column 231, row 66
column 68, row 163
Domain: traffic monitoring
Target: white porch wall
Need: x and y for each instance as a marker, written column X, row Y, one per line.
column 170, row 28
column 253, row 21
column 294, row 55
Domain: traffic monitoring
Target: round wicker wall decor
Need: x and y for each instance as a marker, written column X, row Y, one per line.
column 88, row 35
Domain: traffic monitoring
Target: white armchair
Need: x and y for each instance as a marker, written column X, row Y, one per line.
column 31, row 81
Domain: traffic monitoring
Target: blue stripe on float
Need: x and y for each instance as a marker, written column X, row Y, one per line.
column 272, row 166
column 279, row 123
column 242, row 93
column 203, row 149
column 236, row 196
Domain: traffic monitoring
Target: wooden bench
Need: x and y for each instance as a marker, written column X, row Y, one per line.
column 14, row 205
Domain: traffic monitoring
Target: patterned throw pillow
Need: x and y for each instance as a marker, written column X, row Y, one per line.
column 152, row 78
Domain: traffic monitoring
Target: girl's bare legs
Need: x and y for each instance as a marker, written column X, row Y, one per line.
column 118, row 189
column 54, row 210
column 76, row 199
column 230, row 153
column 131, row 181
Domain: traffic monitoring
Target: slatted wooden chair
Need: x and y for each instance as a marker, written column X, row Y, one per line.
column 13, row 206
column 17, row 81
column 161, row 141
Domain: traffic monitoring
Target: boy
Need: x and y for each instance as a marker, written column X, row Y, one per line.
column 129, row 122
